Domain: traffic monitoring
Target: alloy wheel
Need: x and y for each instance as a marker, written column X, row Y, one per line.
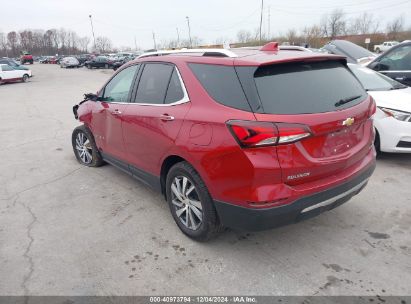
column 186, row 202
column 84, row 148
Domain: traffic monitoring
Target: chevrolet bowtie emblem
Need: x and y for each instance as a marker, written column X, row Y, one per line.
column 348, row 122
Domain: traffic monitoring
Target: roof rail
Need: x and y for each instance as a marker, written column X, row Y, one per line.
column 206, row 52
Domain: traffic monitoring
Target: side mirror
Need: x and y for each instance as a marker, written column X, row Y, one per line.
column 377, row 66
column 91, row 96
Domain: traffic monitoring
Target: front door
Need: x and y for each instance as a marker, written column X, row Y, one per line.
column 108, row 111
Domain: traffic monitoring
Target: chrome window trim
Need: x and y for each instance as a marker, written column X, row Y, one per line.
column 395, row 71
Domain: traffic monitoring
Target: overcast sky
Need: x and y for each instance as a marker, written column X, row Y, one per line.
column 125, row 20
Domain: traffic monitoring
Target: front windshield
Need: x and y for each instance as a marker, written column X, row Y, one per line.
column 373, row 81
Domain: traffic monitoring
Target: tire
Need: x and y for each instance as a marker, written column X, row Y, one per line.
column 31, row 62
column 188, row 220
column 378, row 51
column 377, row 142
column 25, row 78
column 88, row 66
column 82, row 140
column 106, row 66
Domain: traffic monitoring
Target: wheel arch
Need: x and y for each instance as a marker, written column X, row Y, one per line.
column 168, row 162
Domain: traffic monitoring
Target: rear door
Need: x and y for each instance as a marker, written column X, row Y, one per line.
column 108, row 113
column 154, row 118
column 325, row 99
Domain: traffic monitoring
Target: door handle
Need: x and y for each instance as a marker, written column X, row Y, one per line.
column 399, row 78
column 166, row 117
column 116, row 112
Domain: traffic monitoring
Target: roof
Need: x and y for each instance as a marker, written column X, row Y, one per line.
column 238, row 57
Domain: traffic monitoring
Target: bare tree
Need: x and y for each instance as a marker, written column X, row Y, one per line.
column 103, row 44
column 3, row 44
column 334, row 24
column 62, row 34
column 244, row 36
column 83, row 43
column 291, row 36
column 312, row 35
column 12, row 41
column 364, row 24
column 395, row 27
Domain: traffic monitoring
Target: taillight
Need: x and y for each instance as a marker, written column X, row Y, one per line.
column 290, row 133
column 250, row 134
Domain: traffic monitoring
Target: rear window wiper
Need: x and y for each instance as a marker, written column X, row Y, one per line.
column 346, row 100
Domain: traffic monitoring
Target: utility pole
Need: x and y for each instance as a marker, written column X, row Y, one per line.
column 92, row 30
column 261, row 18
column 154, row 39
column 189, row 31
column 268, row 22
column 178, row 37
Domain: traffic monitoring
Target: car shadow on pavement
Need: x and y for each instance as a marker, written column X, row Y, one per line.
column 401, row 159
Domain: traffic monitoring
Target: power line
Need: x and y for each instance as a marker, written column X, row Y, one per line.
column 347, row 13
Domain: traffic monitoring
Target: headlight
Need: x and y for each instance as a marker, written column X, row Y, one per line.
column 403, row 116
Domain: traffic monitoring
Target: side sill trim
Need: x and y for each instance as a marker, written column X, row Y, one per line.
column 146, row 178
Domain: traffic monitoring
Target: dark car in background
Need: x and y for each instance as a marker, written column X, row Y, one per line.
column 395, row 63
column 83, row 58
column 122, row 60
column 99, row 62
column 353, row 52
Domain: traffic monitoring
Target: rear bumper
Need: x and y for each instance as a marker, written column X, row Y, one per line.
column 249, row 219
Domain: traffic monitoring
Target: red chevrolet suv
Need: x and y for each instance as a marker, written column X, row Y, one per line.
column 241, row 138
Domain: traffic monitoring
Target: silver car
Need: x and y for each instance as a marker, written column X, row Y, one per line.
column 69, row 62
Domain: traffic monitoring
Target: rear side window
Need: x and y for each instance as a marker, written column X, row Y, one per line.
column 154, row 83
column 222, row 84
column 174, row 91
column 304, row 88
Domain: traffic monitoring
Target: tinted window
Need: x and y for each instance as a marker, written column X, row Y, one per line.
column 373, row 81
column 349, row 49
column 119, row 87
column 6, row 68
column 398, row 59
column 222, row 84
column 174, row 91
column 153, row 83
column 299, row 88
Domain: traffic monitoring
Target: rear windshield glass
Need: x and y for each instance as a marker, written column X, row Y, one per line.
column 304, row 88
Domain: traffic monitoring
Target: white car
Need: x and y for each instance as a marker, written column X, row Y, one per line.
column 9, row 74
column 385, row 46
column 69, row 62
column 392, row 120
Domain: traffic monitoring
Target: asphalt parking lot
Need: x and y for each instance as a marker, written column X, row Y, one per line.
column 72, row 230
